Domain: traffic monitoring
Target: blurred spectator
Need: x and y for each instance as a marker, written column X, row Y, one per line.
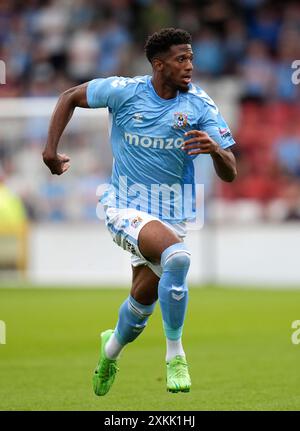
column 257, row 71
column 12, row 210
column 291, row 16
column 208, row 54
column 52, row 203
column 189, row 19
column 114, row 41
column 287, row 149
column 79, row 40
column 51, row 27
column 235, row 44
column 265, row 26
column 82, row 55
column 154, row 15
column 291, row 196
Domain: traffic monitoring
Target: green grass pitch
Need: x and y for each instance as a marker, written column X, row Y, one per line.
column 237, row 341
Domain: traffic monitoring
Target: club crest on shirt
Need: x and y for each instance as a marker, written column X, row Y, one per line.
column 136, row 221
column 180, row 120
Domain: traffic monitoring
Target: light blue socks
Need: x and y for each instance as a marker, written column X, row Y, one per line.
column 172, row 289
column 173, row 298
column 133, row 318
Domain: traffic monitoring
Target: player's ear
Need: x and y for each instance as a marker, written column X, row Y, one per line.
column 157, row 64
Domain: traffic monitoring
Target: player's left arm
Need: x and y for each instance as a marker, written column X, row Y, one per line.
column 223, row 159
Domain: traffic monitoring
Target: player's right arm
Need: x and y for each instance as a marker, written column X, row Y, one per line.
column 67, row 102
column 99, row 93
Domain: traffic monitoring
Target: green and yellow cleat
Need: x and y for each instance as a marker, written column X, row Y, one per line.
column 105, row 372
column 178, row 378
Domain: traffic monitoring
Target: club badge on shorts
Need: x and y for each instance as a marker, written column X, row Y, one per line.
column 136, row 221
column 180, row 120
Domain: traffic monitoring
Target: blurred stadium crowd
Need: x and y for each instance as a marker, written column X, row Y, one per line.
column 49, row 46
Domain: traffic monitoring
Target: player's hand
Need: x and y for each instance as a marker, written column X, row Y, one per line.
column 58, row 164
column 201, row 143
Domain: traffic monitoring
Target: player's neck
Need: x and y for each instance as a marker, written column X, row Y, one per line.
column 162, row 89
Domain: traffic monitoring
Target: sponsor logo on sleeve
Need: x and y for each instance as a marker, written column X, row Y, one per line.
column 224, row 132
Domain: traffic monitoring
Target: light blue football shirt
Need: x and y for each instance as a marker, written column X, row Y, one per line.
column 150, row 171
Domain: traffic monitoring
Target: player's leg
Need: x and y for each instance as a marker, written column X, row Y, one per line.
column 124, row 225
column 161, row 245
column 131, row 231
column 135, row 310
column 133, row 316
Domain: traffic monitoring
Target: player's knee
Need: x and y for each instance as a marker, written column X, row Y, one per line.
column 180, row 259
column 177, row 256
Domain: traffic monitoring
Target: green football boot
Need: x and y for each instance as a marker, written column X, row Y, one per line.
column 178, row 378
column 105, row 372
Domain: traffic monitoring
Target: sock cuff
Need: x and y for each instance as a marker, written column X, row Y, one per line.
column 172, row 333
column 173, row 249
column 140, row 309
column 119, row 338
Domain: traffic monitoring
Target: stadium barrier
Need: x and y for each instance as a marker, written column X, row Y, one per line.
column 237, row 255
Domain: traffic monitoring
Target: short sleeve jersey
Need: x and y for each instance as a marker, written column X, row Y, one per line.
column 150, row 171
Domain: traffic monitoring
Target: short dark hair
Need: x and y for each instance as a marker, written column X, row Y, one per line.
column 160, row 42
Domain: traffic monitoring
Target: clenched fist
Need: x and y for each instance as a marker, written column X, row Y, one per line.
column 57, row 163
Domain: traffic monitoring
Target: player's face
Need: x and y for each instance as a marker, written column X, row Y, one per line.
column 178, row 67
